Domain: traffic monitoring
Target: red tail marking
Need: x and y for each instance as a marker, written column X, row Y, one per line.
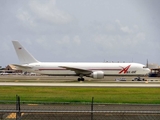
column 124, row 69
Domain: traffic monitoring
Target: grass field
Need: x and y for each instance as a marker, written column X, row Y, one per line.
column 81, row 94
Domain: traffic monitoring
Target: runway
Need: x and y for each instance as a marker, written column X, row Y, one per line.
column 52, row 81
column 82, row 84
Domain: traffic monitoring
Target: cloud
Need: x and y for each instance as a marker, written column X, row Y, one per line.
column 48, row 12
column 77, row 39
column 5, row 46
column 120, row 40
column 39, row 12
column 26, row 18
column 123, row 28
column 140, row 36
column 65, row 40
column 68, row 40
column 44, row 42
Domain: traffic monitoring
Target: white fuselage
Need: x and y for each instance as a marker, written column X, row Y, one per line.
column 90, row 69
column 54, row 68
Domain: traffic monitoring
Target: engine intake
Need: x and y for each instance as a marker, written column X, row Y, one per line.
column 97, row 75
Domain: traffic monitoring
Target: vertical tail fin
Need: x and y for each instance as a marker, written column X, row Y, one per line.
column 23, row 55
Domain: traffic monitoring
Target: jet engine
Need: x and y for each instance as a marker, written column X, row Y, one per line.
column 97, row 75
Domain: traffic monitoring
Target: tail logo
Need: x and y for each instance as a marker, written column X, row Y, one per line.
column 124, row 70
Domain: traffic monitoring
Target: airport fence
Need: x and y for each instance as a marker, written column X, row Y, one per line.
column 22, row 110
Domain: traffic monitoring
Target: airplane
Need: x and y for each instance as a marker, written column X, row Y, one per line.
column 95, row 70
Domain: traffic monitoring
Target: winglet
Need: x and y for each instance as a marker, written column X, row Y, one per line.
column 24, row 56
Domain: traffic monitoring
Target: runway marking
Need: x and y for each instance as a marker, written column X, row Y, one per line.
column 13, row 115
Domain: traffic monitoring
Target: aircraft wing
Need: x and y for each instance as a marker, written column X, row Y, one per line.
column 78, row 70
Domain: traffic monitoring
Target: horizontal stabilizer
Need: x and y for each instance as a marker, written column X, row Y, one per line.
column 21, row 66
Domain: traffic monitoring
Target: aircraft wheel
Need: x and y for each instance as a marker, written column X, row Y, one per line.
column 79, row 79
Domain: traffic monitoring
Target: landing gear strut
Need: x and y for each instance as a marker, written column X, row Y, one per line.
column 81, row 78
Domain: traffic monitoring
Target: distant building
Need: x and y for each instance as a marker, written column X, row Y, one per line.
column 155, row 70
column 153, row 66
column 12, row 69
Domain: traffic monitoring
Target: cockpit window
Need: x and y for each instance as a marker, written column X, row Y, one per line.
column 144, row 66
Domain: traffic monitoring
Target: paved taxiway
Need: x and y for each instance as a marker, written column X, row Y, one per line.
column 20, row 80
column 81, row 84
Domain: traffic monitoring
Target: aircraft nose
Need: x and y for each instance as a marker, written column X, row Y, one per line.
column 148, row 70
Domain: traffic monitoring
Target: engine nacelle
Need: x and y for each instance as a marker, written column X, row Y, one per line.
column 97, row 75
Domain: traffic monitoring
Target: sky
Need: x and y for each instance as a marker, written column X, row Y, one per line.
column 81, row 30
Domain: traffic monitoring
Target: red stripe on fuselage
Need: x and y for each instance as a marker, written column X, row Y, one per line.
column 86, row 69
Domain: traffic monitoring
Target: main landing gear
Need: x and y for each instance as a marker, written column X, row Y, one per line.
column 81, row 79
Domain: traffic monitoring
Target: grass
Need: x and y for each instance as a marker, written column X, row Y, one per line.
column 81, row 94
